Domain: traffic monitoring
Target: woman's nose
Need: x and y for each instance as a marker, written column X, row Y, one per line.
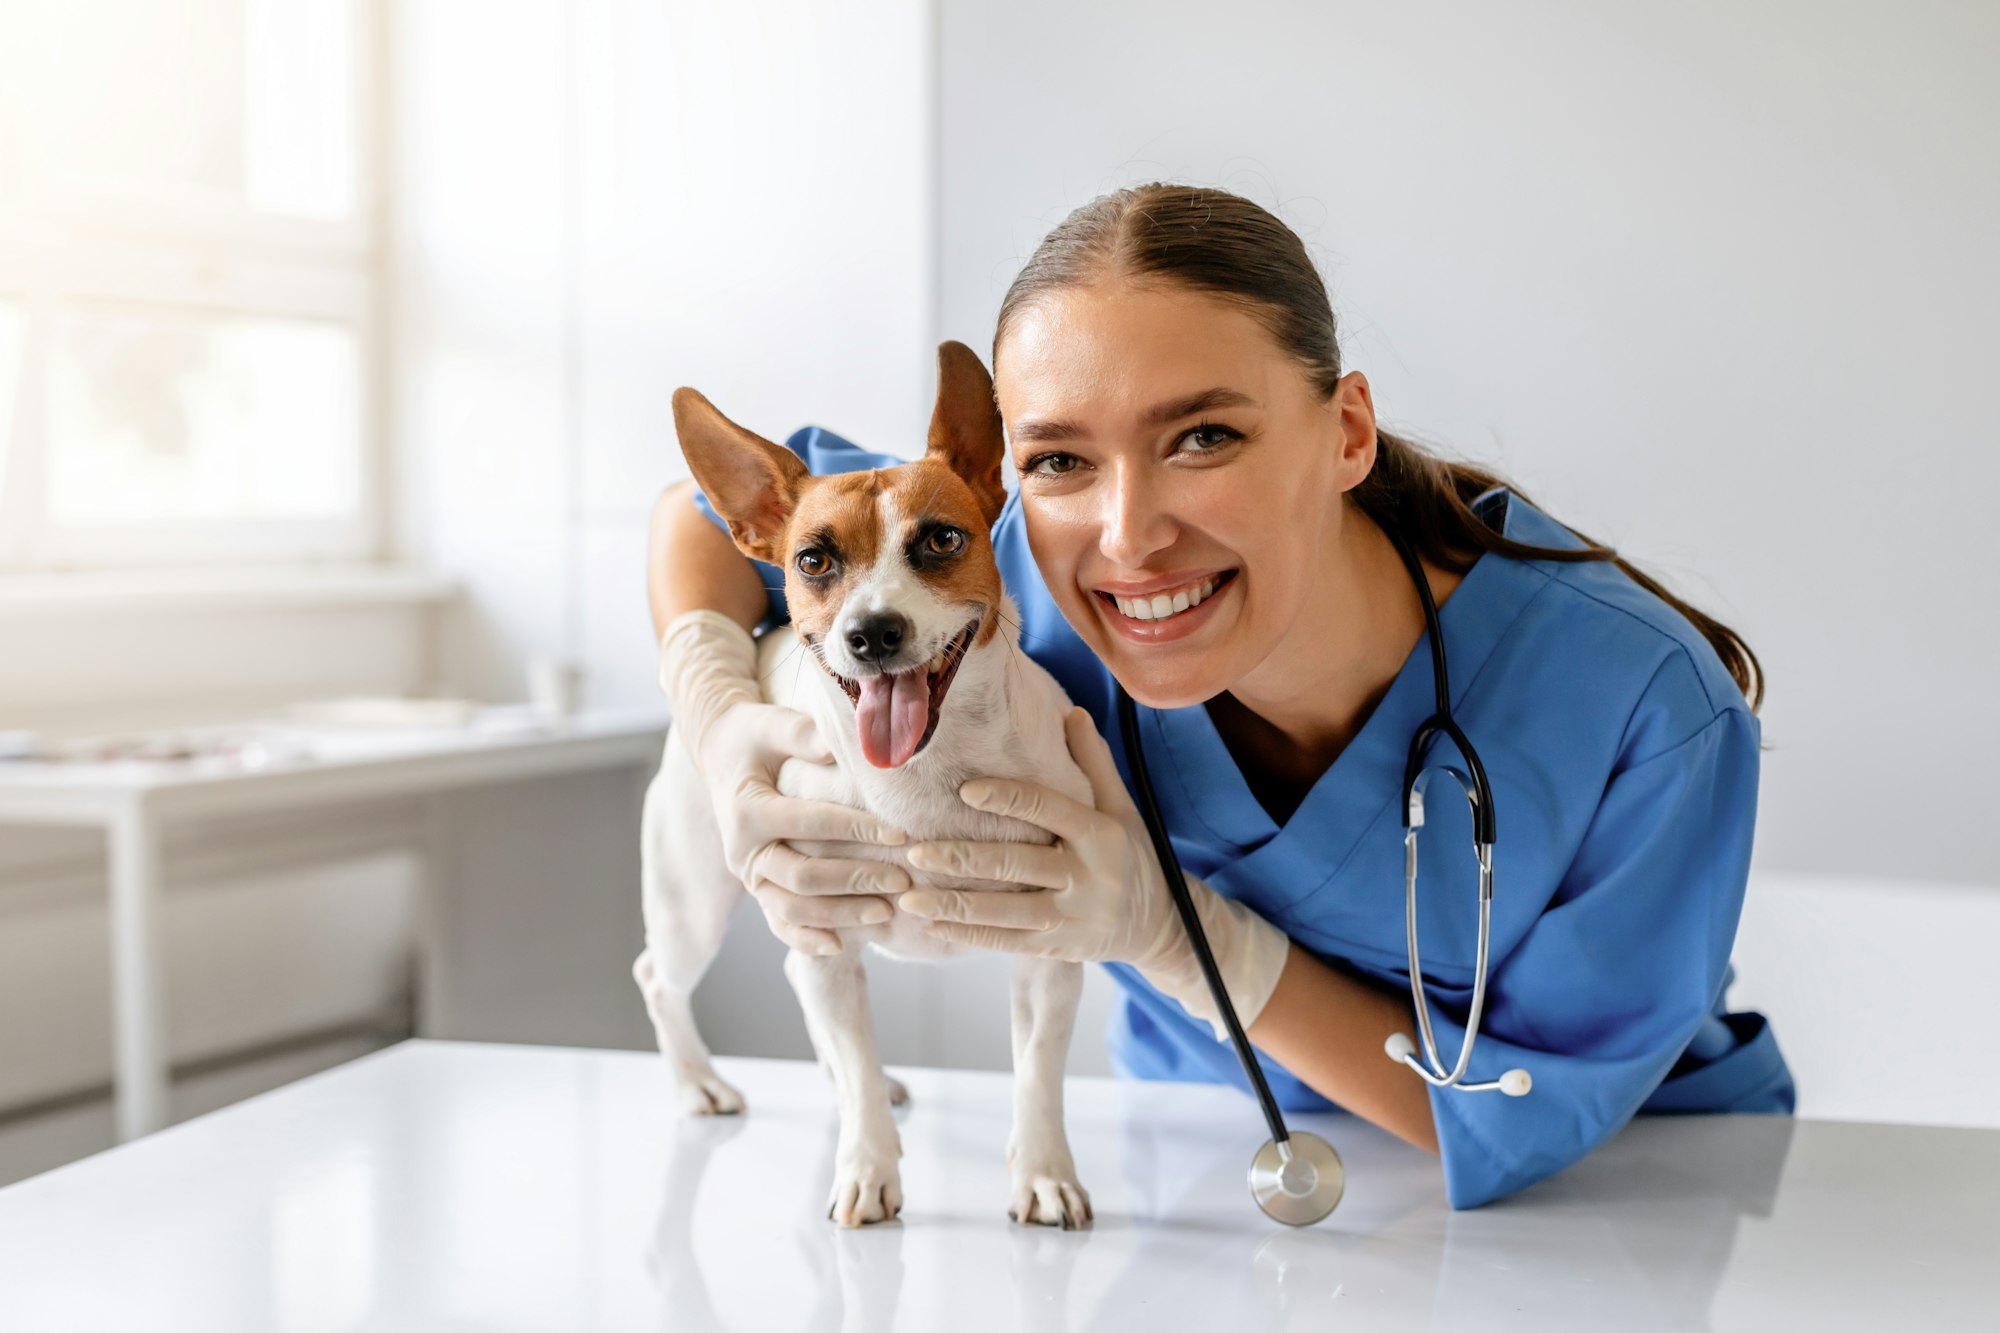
column 1135, row 523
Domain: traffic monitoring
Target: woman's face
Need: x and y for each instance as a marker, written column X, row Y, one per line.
column 1180, row 479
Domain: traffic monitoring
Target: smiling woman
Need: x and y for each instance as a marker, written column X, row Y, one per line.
column 1205, row 517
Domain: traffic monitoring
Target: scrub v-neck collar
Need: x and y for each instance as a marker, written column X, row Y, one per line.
column 1210, row 792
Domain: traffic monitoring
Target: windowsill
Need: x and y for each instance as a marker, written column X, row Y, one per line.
column 261, row 587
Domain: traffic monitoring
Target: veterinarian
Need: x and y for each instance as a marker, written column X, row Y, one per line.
column 1179, row 424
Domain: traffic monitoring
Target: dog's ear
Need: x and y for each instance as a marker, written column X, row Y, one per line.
column 752, row 483
column 966, row 433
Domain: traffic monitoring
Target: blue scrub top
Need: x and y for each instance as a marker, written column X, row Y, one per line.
column 1623, row 762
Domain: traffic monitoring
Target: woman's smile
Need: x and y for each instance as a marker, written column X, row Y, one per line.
column 1163, row 609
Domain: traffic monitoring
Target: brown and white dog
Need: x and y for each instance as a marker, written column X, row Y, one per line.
column 916, row 683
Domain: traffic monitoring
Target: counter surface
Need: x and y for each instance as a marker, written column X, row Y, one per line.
column 442, row 1185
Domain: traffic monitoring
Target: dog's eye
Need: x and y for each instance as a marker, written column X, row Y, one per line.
column 812, row 562
column 945, row 541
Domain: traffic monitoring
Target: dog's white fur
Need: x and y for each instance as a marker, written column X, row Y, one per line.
column 1003, row 717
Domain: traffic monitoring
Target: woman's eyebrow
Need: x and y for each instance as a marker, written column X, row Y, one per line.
column 1174, row 410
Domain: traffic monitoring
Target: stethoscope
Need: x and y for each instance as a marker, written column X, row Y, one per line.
column 1297, row 1178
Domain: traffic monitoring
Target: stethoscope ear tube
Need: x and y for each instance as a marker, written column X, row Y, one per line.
column 1479, row 792
column 1479, row 795
column 1295, row 1179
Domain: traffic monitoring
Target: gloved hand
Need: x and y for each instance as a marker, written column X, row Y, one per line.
column 708, row 671
column 1098, row 894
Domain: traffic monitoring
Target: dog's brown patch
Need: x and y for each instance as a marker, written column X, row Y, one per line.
column 928, row 492
column 840, row 513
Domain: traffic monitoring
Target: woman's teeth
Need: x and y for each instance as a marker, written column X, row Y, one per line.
column 1163, row 604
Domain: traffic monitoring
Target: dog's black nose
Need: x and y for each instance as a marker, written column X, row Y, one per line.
column 876, row 638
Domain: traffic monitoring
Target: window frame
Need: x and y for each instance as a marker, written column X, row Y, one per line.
column 65, row 244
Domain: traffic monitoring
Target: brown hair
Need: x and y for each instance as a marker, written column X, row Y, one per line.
column 1223, row 244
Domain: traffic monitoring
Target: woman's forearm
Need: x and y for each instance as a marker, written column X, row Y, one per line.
column 691, row 563
column 1327, row 1028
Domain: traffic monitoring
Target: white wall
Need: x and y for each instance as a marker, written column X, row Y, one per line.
column 1878, row 991
column 1713, row 282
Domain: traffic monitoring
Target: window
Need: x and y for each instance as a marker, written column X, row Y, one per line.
column 188, row 269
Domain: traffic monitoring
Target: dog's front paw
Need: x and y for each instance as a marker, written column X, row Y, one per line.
column 1046, row 1191
column 707, row 1093
column 867, row 1187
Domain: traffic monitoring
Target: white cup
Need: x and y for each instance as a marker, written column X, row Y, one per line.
column 555, row 687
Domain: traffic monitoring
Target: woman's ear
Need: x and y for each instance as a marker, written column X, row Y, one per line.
column 1353, row 410
column 966, row 432
column 752, row 483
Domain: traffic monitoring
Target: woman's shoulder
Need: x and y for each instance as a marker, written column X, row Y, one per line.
column 1594, row 629
column 827, row 453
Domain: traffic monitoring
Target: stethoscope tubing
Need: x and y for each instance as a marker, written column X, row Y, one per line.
column 1170, row 864
column 1295, row 1179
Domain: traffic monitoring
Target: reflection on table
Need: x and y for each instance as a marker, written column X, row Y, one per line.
column 505, row 1187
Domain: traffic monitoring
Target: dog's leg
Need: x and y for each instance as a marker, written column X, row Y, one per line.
column 687, row 894
column 899, row 1095
column 833, row 991
column 816, row 783
column 1045, row 1187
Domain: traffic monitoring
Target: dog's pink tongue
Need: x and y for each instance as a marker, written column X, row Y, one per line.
column 891, row 715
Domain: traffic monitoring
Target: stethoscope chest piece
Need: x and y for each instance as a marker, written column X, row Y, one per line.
column 1299, row 1187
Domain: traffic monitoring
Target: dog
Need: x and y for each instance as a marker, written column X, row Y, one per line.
column 915, row 678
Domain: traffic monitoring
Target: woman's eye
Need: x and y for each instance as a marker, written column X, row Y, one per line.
column 812, row 562
column 945, row 541
column 1050, row 465
column 1211, row 437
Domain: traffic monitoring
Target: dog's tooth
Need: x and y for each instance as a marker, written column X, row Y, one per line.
column 1181, row 602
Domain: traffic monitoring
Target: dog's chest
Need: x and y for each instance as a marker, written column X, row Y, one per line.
column 1003, row 720
column 927, row 811
column 921, row 798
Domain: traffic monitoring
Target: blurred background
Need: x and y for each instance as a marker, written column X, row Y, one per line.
column 336, row 342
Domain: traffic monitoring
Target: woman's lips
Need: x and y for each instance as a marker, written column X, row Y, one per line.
column 1160, row 583
column 1173, row 625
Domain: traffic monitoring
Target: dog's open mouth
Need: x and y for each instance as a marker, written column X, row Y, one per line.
column 896, row 714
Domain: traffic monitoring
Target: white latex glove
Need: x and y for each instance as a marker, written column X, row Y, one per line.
column 1098, row 894
column 708, row 671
